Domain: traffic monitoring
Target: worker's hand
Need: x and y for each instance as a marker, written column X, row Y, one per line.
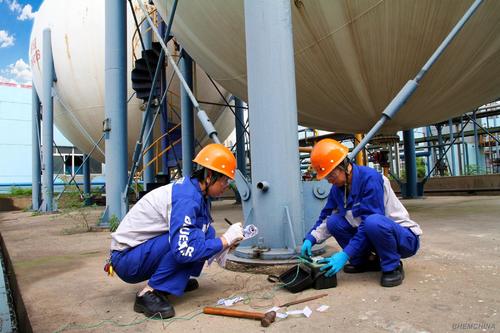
column 334, row 263
column 306, row 249
column 233, row 234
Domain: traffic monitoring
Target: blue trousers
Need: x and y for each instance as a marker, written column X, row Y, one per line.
column 153, row 261
column 378, row 234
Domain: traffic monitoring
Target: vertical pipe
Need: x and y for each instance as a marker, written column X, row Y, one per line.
column 476, row 142
column 466, row 155
column 452, row 149
column 459, row 156
column 48, row 123
column 440, row 159
column 164, row 114
column 359, row 157
column 240, row 136
column 36, row 168
column 410, row 164
column 86, row 180
column 115, row 106
column 273, row 123
column 187, row 116
column 429, row 149
column 147, row 119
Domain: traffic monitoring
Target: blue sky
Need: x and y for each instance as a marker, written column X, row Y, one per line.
column 16, row 20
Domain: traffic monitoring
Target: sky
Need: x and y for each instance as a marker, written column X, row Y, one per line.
column 16, row 21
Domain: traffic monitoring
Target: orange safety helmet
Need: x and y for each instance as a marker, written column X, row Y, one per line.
column 217, row 157
column 326, row 155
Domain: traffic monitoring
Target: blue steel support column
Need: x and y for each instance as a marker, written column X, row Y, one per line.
column 36, row 168
column 164, row 113
column 115, row 106
column 452, row 149
column 148, row 176
column 440, row 149
column 276, row 189
column 187, row 116
column 240, row 136
column 428, row 134
column 86, row 180
column 410, row 164
column 48, row 123
column 476, row 141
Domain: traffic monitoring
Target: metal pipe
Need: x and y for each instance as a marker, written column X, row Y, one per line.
column 164, row 112
column 48, row 124
column 440, row 149
column 86, row 180
column 115, row 107
column 147, row 117
column 410, row 87
column 187, row 117
column 36, row 166
column 476, row 140
column 410, row 164
column 240, row 136
column 359, row 157
column 453, row 166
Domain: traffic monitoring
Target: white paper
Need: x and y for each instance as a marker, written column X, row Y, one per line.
column 307, row 312
column 229, row 301
column 323, row 308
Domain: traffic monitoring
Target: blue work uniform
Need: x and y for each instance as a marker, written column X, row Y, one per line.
column 368, row 218
column 169, row 259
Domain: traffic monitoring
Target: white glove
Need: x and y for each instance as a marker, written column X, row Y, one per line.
column 233, row 234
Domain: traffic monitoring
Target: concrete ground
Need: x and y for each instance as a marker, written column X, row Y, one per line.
column 452, row 284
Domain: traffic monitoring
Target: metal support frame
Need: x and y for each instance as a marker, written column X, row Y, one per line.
column 115, row 107
column 36, row 166
column 187, row 115
column 164, row 112
column 276, row 199
column 147, row 118
column 453, row 164
column 441, row 156
column 240, row 136
column 476, row 139
column 409, row 88
column 86, row 180
column 48, row 77
column 410, row 164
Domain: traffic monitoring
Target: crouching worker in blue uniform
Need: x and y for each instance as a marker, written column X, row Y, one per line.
column 364, row 215
column 167, row 235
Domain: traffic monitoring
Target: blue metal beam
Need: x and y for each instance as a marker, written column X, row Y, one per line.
column 240, row 135
column 453, row 164
column 86, row 179
column 48, row 123
column 187, row 115
column 116, row 109
column 36, row 167
column 147, row 117
column 410, row 164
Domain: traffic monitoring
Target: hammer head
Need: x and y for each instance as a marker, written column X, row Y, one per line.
column 268, row 318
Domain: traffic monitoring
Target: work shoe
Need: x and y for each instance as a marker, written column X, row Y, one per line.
column 368, row 266
column 154, row 305
column 393, row 278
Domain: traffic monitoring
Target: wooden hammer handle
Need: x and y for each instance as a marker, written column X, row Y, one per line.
column 233, row 313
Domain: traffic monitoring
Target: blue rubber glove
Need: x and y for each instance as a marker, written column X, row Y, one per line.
column 334, row 263
column 306, row 249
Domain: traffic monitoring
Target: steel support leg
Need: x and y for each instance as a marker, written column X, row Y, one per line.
column 48, row 124
column 187, row 115
column 36, row 168
column 410, row 164
column 86, row 180
column 452, row 149
column 276, row 189
column 240, row 136
column 115, row 106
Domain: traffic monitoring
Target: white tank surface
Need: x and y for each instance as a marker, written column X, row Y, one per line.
column 352, row 57
column 77, row 31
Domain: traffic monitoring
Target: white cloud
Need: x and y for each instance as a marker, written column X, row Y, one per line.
column 26, row 13
column 14, row 6
column 6, row 40
column 19, row 73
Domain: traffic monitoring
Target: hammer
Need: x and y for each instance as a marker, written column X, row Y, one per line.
column 265, row 318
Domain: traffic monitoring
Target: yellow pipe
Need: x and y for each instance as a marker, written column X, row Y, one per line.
column 359, row 157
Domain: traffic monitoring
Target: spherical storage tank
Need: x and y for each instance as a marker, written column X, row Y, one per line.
column 77, row 32
column 352, row 57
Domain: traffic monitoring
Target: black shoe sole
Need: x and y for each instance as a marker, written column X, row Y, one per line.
column 394, row 283
column 160, row 315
